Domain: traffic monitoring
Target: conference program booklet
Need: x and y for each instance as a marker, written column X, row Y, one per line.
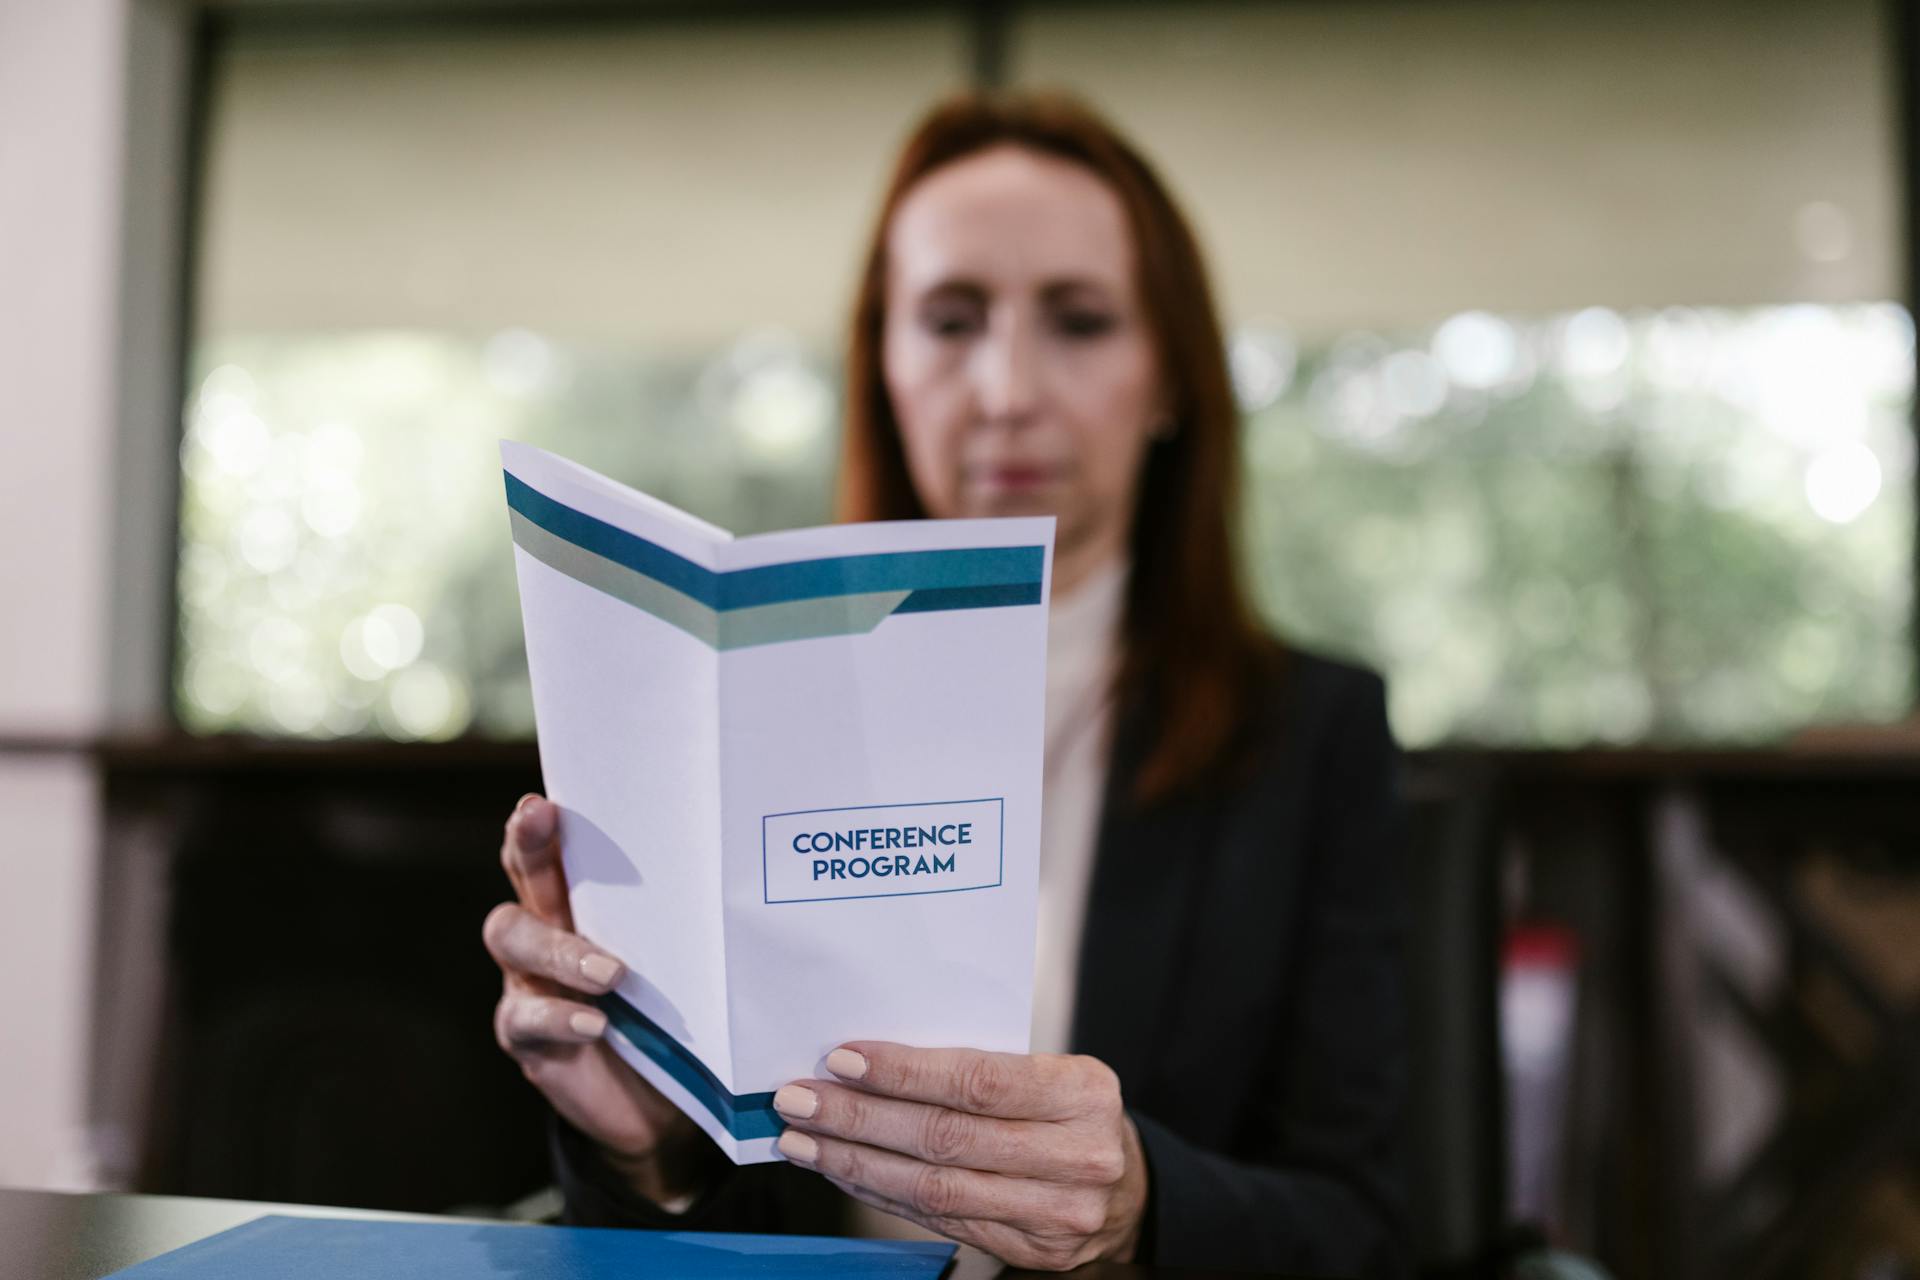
column 798, row 776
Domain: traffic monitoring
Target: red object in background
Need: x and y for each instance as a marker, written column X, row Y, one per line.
column 1540, row 944
column 1539, row 1001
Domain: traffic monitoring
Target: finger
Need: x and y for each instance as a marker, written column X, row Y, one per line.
column 1013, row 1086
column 938, row 1135
column 521, row 943
column 929, row 1191
column 530, row 852
column 524, row 1022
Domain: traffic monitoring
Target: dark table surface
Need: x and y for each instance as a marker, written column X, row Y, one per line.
column 52, row 1235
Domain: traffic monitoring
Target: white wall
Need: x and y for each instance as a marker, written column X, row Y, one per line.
column 671, row 184
column 60, row 87
column 60, row 93
column 87, row 298
column 48, row 808
column 1396, row 161
column 1350, row 164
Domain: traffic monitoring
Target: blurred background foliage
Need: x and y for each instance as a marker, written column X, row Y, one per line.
column 1593, row 527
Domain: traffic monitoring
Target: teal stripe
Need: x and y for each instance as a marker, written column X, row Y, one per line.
column 881, row 571
column 737, row 629
column 744, row 1115
column 649, row 595
column 615, row 544
column 937, row 599
column 911, row 571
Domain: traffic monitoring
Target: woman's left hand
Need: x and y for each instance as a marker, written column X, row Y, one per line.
column 1029, row 1157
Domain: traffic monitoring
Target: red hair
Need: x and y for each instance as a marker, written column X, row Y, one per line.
column 1191, row 647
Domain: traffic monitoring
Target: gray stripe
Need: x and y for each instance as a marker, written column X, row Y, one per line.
column 618, row 581
column 806, row 619
column 733, row 629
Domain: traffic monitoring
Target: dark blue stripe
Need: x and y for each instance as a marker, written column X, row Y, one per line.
column 971, row 568
column 744, row 1115
column 937, row 599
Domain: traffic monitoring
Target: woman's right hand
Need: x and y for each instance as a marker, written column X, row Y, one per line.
column 545, row 1026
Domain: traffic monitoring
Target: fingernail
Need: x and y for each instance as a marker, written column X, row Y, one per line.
column 600, row 970
column 796, row 1100
column 795, row 1145
column 847, row 1064
column 523, row 802
column 536, row 821
column 588, row 1022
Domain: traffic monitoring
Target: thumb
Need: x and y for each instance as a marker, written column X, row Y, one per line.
column 531, row 856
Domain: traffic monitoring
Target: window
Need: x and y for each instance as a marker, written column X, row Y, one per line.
column 1575, row 396
column 632, row 244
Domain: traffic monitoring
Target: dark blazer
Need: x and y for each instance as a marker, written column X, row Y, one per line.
column 1241, row 973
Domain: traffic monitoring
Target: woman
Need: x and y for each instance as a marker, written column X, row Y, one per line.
column 1219, row 931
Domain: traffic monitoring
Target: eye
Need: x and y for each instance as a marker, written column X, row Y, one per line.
column 950, row 318
column 950, row 326
column 1082, row 322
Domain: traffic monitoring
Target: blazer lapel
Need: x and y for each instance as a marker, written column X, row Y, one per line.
column 1139, row 921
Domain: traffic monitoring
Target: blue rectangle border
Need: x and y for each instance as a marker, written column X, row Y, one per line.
column 999, row 880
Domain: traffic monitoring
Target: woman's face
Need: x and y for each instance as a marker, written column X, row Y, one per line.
column 1015, row 350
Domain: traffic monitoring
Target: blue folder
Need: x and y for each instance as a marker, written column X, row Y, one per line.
column 283, row 1248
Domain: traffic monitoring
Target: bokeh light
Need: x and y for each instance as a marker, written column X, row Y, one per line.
column 345, row 567
column 1842, row 482
column 1621, row 526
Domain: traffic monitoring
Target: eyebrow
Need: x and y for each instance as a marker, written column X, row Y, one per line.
column 1055, row 290
column 970, row 290
column 1052, row 291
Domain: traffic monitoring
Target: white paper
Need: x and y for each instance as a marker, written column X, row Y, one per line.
column 798, row 774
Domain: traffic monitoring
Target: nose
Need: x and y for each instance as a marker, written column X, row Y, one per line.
column 1004, row 373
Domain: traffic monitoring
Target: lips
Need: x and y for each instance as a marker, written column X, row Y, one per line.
column 1014, row 478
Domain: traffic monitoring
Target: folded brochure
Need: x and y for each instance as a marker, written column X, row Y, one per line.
column 289, row 1248
column 798, row 776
